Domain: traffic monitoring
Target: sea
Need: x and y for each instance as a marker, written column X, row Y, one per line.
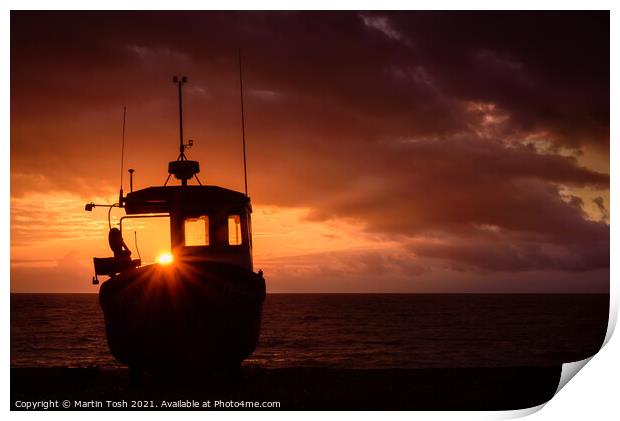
column 349, row 330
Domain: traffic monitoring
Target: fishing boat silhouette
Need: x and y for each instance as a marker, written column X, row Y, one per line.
column 201, row 307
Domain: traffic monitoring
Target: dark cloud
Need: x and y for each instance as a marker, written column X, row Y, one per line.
column 550, row 69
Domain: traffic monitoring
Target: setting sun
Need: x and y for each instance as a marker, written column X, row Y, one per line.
column 164, row 258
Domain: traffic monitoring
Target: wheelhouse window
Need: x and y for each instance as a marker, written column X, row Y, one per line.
column 197, row 231
column 234, row 230
column 148, row 237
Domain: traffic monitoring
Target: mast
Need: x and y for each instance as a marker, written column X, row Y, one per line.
column 180, row 81
column 182, row 171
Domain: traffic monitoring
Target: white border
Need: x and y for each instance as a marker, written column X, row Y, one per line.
column 593, row 394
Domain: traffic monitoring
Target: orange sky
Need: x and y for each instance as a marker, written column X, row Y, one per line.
column 386, row 152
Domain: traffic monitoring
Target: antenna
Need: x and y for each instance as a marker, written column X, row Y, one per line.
column 245, row 171
column 135, row 238
column 120, row 195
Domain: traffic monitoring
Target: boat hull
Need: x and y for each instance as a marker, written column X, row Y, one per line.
column 183, row 316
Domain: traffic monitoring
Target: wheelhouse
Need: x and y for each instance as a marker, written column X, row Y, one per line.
column 207, row 223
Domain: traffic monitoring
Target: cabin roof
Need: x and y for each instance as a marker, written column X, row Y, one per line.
column 163, row 199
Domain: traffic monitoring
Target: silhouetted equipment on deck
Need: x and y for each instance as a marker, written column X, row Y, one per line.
column 183, row 170
column 117, row 244
column 111, row 266
column 131, row 170
column 202, row 311
column 122, row 256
